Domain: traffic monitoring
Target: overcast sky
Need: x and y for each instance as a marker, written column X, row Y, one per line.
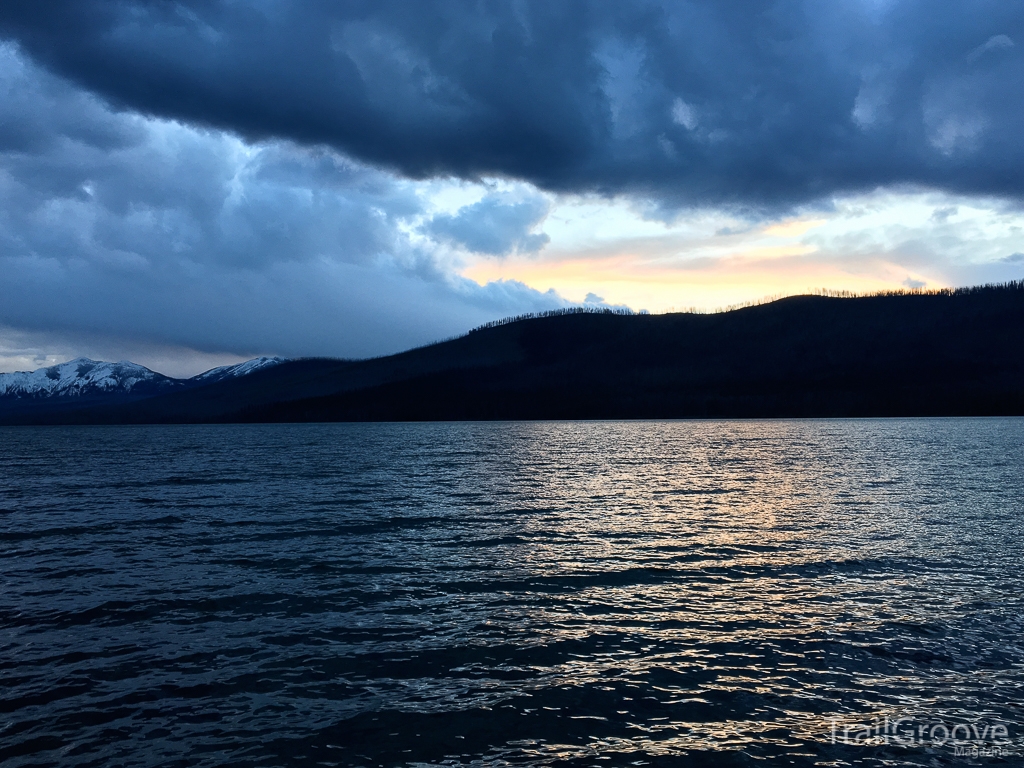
column 187, row 184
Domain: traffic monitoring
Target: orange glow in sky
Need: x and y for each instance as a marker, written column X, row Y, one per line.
column 708, row 261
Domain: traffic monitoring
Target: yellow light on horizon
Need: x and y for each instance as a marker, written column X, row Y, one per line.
column 794, row 228
column 708, row 285
column 707, row 259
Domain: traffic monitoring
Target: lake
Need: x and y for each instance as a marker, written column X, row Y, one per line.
column 734, row 593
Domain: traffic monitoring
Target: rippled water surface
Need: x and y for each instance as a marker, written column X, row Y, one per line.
column 731, row 593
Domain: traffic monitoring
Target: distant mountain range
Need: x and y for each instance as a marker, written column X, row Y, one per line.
column 84, row 383
column 82, row 377
column 931, row 354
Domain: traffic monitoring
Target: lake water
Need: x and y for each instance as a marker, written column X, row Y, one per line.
column 563, row 594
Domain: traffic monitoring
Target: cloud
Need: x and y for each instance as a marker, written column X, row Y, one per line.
column 684, row 114
column 497, row 225
column 206, row 178
column 121, row 231
column 594, row 301
column 757, row 105
column 994, row 43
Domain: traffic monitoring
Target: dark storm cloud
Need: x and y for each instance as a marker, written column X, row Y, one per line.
column 495, row 225
column 753, row 103
column 117, row 226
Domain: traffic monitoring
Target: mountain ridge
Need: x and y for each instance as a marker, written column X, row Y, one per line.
column 78, row 377
column 944, row 353
column 83, row 381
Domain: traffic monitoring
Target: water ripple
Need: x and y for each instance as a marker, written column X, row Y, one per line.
column 731, row 593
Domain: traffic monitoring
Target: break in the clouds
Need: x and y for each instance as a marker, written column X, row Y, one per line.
column 709, row 259
column 757, row 103
column 197, row 181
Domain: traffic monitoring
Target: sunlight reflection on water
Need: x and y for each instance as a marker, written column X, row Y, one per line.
column 529, row 593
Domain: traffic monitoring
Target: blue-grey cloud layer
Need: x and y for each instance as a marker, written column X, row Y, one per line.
column 228, row 176
column 749, row 102
column 495, row 226
column 113, row 225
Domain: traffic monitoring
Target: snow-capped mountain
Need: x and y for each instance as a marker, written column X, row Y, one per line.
column 86, row 378
column 234, row 371
column 82, row 377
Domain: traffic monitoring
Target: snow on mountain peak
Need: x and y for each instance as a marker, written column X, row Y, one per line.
column 77, row 377
column 83, row 376
column 241, row 369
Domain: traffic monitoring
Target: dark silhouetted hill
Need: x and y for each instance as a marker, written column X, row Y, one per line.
column 915, row 354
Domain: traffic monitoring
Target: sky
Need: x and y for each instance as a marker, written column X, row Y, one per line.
column 190, row 184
